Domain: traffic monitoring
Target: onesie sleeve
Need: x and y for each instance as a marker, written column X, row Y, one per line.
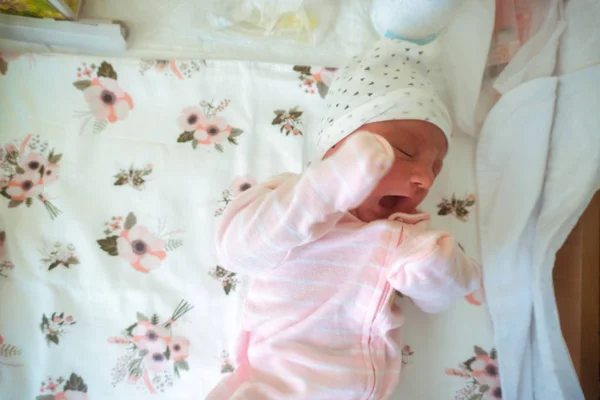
column 433, row 271
column 262, row 225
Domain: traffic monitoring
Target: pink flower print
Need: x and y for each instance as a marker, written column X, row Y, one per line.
column 133, row 378
column 32, row 162
column 323, row 74
column 24, row 186
column 212, row 130
column 241, row 184
column 147, row 336
column 71, row 395
column 10, row 147
column 485, row 370
column 1, row 340
column 179, row 348
column 51, row 173
column 56, row 319
column 189, row 120
column 143, row 250
column 494, row 392
column 156, row 361
column 107, row 100
column 51, row 386
column 69, row 319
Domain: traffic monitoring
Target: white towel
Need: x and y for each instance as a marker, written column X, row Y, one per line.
column 538, row 166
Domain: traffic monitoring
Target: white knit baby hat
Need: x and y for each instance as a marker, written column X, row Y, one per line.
column 389, row 82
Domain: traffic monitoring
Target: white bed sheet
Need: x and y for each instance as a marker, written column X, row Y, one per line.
column 63, row 268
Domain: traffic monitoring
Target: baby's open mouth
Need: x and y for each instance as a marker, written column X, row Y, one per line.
column 391, row 202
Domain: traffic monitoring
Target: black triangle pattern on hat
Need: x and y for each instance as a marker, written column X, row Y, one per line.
column 374, row 84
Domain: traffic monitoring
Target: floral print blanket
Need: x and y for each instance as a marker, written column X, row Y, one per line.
column 113, row 177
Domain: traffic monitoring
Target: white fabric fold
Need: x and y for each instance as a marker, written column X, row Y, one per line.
column 538, row 166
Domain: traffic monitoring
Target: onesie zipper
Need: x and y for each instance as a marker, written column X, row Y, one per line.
column 383, row 302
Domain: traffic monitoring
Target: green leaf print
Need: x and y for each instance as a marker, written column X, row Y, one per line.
column 302, row 69
column 173, row 244
column 52, row 338
column 322, row 88
column 235, row 132
column 194, row 144
column 122, row 180
column 219, row 147
column 8, row 350
column 72, row 261
column 14, row 203
column 107, row 71
column 130, row 221
column 54, row 158
column 479, row 351
column 141, row 317
column 182, row 364
column 228, row 286
column 83, row 84
column 185, row 137
column 75, row 383
column 54, row 265
column 232, row 140
column 129, row 330
column 3, row 66
column 109, row 245
column 100, row 125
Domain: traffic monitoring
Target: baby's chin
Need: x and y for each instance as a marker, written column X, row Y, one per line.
column 385, row 207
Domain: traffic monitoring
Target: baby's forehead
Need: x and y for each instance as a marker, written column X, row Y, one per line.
column 414, row 130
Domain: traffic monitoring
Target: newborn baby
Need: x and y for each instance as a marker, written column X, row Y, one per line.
column 329, row 250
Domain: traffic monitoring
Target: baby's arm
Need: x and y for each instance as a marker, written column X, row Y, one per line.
column 263, row 224
column 433, row 271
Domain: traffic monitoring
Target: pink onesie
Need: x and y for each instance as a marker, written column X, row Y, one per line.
column 320, row 320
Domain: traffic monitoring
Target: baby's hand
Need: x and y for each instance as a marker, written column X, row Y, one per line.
column 360, row 164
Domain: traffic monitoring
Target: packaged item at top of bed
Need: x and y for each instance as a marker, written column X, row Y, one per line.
column 55, row 9
column 300, row 20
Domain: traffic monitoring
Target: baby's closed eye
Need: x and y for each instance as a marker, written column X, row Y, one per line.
column 404, row 153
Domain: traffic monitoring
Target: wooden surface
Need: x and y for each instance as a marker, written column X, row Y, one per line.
column 577, row 289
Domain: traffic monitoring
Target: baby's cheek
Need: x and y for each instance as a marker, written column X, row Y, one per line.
column 391, row 181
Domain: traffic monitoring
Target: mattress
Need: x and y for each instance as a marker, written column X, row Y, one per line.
column 109, row 282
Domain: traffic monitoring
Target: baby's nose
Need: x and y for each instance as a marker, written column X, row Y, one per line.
column 422, row 177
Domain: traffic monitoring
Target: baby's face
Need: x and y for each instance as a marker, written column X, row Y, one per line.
column 419, row 149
